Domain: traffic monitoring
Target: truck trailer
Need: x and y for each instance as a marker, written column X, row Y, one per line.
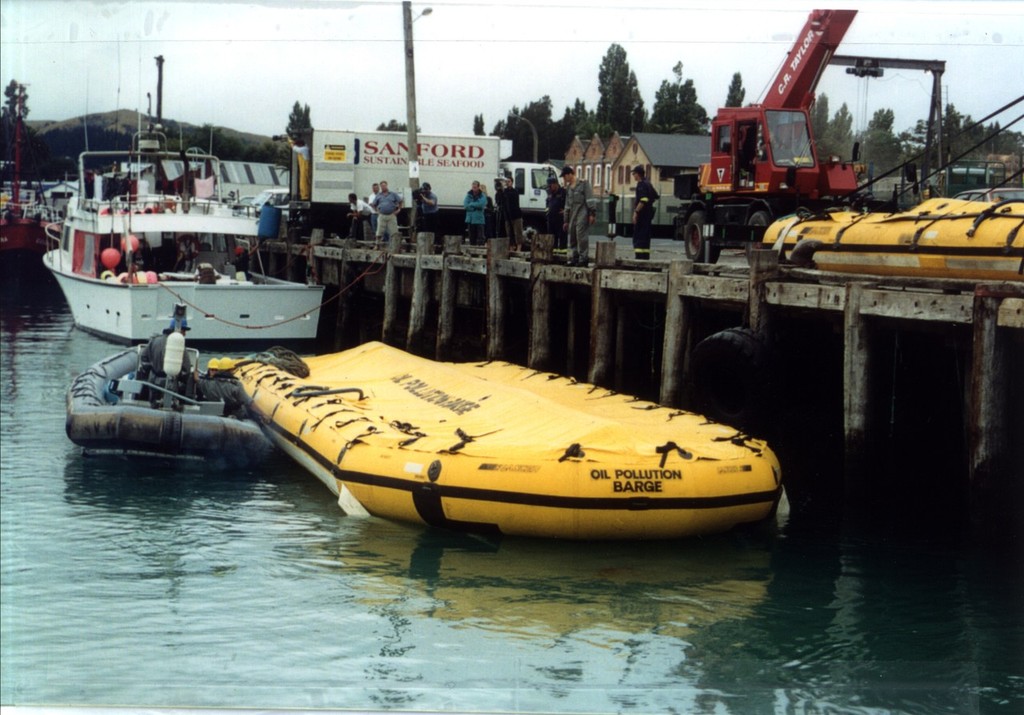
column 328, row 165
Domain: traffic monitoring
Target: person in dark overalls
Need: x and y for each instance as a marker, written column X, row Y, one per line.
column 554, row 212
column 643, row 214
column 219, row 384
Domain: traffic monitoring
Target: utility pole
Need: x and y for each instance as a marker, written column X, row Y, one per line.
column 410, row 108
column 159, row 89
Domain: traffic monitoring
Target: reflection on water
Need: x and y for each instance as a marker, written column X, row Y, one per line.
column 157, row 584
column 534, row 589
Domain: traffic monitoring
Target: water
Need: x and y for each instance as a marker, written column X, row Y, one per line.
column 148, row 584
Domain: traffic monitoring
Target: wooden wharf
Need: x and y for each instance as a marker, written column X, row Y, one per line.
column 840, row 334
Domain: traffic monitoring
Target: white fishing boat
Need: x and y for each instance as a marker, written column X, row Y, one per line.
column 148, row 232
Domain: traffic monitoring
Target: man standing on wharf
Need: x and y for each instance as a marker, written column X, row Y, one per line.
column 511, row 214
column 388, row 204
column 580, row 211
column 643, row 213
column 475, row 204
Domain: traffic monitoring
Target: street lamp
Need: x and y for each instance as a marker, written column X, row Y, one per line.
column 410, row 109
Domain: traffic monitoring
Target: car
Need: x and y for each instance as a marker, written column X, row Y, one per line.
column 271, row 197
column 244, row 203
column 992, row 196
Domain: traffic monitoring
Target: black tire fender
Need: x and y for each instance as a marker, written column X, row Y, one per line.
column 731, row 378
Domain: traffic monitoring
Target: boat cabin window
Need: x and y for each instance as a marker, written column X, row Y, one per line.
column 83, row 258
column 216, row 242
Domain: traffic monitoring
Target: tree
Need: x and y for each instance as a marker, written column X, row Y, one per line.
column 964, row 136
column 393, row 126
column 577, row 121
column 840, row 131
column 478, row 125
column 619, row 105
column 537, row 113
column 567, row 128
column 11, row 92
column 676, row 110
column 1002, row 141
column 819, row 119
column 581, row 118
column 35, row 152
column 835, row 135
column 912, row 141
column 299, row 122
column 959, row 135
column 881, row 146
column 736, row 92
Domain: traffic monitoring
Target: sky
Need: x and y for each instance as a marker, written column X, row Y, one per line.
column 244, row 64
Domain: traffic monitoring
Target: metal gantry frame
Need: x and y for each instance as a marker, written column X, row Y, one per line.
column 873, row 66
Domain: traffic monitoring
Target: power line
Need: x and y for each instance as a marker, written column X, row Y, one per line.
column 481, row 40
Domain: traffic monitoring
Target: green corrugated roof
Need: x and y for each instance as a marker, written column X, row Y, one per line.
column 675, row 150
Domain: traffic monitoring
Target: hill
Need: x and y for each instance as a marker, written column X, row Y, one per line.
column 111, row 130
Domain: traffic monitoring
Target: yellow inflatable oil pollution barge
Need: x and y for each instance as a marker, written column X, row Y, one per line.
column 939, row 238
column 501, row 449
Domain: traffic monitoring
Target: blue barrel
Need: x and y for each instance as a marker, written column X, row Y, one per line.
column 270, row 221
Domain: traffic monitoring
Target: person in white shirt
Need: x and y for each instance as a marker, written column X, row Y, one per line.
column 359, row 213
column 373, row 211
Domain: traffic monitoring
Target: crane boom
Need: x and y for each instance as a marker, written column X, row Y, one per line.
column 794, row 86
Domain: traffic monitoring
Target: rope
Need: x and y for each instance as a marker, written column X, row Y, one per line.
column 372, row 269
column 281, row 358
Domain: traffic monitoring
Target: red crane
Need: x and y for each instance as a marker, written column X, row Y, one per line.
column 794, row 86
column 764, row 161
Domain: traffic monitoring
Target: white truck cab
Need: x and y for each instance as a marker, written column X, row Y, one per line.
column 531, row 181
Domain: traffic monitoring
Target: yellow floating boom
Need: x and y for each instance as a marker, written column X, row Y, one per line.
column 939, row 238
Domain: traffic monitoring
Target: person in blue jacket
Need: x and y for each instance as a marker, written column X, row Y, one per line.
column 475, row 203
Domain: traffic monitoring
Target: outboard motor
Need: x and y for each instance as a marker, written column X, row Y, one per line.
column 179, row 321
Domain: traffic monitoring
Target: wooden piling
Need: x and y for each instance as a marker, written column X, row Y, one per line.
column 446, row 304
column 677, row 330
column 414, row 340
column 764, row 266
column 345, row 313
column 987, row 406
column 539, row 354
column 602, row 318
column 497, row 250
column 392, row 294
column 856, row 391
column 291, row 271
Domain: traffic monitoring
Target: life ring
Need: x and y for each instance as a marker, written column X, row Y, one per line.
column 188, row 247
column 107, row 276
column 732, row 378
